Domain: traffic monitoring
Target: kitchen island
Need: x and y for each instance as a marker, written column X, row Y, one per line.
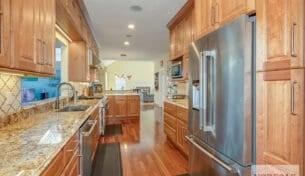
column 31, row 146
column 123, row 106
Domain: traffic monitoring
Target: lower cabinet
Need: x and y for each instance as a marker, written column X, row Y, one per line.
column 176, row 126
column 67, row 161
column 120, row 106
column 123, row 106
column 280, row 117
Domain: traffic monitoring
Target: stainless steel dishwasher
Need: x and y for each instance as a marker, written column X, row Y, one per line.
column 86, row 146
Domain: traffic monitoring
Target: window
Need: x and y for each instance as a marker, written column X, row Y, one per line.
column 120, row 83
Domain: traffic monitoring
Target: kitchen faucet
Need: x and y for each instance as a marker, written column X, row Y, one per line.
column 57, row 104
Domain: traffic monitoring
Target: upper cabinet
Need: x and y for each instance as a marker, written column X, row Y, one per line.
column 5, row 33
column 280, row 25
column 182, row 31
column 211, row 14
column 33, row 36
column 25, row 16
column 78, row 62
column 205, row 16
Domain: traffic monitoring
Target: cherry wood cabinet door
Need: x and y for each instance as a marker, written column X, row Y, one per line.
column 227, row 10
column 280, row 28
column 110, row 110
column 24, row 14
column 5, row 60
column 133, row 106
column 205, row 17
column 172, row 44
column 78, row 62
column 120, row 106
column 280, row 117
column 48, row 37
column 188, row 33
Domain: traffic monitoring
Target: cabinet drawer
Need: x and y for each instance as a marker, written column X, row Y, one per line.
column 170, row 120
column 170, row 108
column 72, row 168
column 71, row 147
column 182, row 114
column 56, row 166
column 170, row 132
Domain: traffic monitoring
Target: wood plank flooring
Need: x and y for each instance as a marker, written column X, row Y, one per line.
column 145, row 149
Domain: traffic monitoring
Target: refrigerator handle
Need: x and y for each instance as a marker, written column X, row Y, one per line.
column 231, row 169
column 203, row 93
column 203, row 90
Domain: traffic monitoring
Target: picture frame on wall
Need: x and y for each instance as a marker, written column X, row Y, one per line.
column 156, row 81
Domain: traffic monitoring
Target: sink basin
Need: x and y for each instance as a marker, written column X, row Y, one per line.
column 74, row 108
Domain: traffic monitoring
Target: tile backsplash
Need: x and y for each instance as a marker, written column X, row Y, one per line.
column 10, row 94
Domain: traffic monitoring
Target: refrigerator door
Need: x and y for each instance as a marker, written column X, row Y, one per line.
column 205, row 161
column 195, row 93
column 230, row 111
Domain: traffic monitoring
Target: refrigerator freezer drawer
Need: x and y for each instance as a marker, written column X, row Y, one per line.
column 204, row 163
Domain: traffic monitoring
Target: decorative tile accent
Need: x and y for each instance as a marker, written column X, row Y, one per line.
column 10, row 94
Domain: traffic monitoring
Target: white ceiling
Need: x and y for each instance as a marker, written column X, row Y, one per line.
column 150, row 38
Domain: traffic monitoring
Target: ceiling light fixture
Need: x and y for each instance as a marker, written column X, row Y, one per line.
column 136, row 8
column 126, row 43
column 131, row 26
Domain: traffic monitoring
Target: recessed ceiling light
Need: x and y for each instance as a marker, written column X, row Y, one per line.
column 131, row 26
column 126, row 43
column 123, row 55
column 136, row 8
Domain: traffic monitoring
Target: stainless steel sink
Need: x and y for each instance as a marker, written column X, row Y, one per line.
column 74, row 108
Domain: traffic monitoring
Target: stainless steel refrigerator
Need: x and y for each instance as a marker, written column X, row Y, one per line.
column 222, row 101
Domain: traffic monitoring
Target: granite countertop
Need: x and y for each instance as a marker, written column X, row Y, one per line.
column 28, row 146
column 178, row 102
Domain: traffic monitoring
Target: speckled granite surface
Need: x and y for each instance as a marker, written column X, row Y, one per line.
column 179, row 102
column 29, row 145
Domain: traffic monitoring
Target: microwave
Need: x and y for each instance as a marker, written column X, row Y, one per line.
column 176, row 70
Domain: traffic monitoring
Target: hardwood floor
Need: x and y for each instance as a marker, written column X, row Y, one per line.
column 145, row 149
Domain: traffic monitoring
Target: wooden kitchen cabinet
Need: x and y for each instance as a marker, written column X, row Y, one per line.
column 133, row 105
column 33, row 33
column 182, row 31
column 188, row 32
column 120, row 106
column 67, row 161
column 280, row 117
column 182, row 131
column 78, row 62
column 110, row 110
column 24, row 20
column 205, row 17
column 227, row 10
column 175, row 125
column 212, row 14
column 5, row 33
column 280, row 28
column 123, row 106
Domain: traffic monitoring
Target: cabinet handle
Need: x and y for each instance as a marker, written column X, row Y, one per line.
column 44, row 53
column 293, row 52
column 293, row 83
